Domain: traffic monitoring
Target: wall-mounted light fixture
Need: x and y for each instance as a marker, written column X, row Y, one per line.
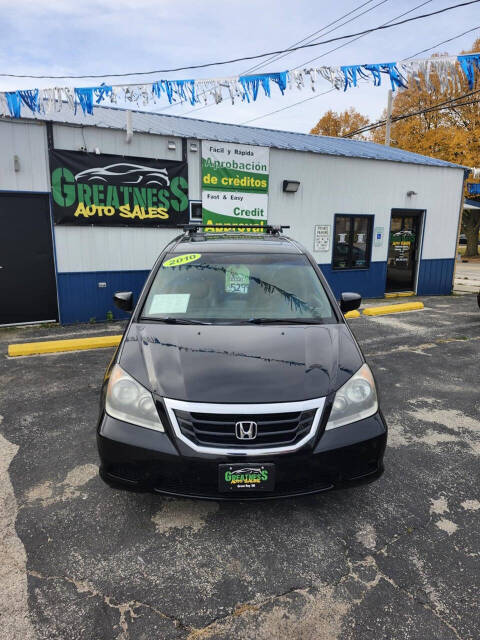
column 171, row 145
column 411, row 193
column 16, row 164
column 291, row 186
column 193, row 146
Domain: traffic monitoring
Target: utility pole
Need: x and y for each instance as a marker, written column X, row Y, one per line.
column 389, row 118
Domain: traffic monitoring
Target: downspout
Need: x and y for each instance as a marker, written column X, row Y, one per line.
column 129, row 127
column 466, row 173
column 50, row 148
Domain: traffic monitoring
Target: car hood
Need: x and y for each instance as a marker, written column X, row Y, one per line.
column 237, row 364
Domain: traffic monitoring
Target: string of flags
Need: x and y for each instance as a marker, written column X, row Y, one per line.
column 450, row 70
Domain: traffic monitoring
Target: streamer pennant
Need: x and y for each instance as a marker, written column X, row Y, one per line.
column 450, row 71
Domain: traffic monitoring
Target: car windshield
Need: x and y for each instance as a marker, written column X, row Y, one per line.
column 237, row 287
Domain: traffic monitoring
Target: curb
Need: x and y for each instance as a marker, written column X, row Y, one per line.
column 352, row 314
column 392, row 308
column 54, row 346
column 401, row 294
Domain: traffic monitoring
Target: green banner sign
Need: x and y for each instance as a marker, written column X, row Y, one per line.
column 235, row 184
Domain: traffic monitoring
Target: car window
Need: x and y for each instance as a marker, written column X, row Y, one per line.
column 237, row 287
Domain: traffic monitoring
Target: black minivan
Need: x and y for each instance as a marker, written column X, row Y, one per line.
column 237, row 377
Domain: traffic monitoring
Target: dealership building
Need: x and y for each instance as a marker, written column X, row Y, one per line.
column 87, row 202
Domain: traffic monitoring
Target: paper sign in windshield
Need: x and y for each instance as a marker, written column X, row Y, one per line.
column 237, row 279
column 166, row 303
column 183, row 259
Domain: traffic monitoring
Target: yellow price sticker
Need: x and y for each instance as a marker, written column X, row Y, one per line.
column 183, row 259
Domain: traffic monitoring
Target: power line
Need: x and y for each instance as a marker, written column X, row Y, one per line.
column 253, row 57
column 450, row 104
column 288, row 106
column 326, row 53
column 414, row 56
column 431, row 110
column 307, row 38
column 274, row 58
column 266, row 115
column 363, row 35
column 444, row 42
column 381, row 123
column 311, row 37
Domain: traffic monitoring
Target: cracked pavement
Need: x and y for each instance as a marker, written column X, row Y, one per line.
column 398, row 559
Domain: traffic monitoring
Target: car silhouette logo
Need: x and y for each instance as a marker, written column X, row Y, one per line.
column 246, row 470
column 125, row 173
column 246, row 430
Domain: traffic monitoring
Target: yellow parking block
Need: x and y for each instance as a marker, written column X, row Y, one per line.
column 53, row 346
column 392, row 308
column 400, row 294
column 352, row 314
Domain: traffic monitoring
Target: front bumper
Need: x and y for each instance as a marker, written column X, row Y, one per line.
column 144, row 460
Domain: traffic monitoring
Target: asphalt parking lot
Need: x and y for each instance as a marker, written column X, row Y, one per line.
column 398, row 559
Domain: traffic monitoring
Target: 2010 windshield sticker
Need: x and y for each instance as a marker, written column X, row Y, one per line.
column 237, row 279
column 183, row 259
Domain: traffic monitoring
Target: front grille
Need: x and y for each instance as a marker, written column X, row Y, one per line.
column 218, row 430
column 290, row 485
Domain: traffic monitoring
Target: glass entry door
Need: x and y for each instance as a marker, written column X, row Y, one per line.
column 402, row 250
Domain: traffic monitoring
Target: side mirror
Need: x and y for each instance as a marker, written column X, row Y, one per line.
column 350, row 301
column 124, row 300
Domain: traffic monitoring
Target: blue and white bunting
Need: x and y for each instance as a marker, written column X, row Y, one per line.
column 449, row 70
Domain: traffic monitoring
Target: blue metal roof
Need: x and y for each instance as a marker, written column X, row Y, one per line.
column 159, row 123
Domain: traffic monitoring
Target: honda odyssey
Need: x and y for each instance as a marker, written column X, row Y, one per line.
column 238, row 377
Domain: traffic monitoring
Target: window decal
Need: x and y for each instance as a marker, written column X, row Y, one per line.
column 237, row 279
column 178, row 261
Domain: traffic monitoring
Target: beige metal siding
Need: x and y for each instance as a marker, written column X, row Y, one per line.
column 109, row 248
column 142, row 145
column 351, row 185
column 28, row 141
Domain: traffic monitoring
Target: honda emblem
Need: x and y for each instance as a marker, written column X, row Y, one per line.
column 246, row 430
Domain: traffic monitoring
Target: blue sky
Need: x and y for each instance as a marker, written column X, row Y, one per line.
column 116, row 36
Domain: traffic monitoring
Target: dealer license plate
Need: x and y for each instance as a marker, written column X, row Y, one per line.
column 248, row 477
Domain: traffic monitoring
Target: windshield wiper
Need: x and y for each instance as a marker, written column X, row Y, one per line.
column 170, row 320
column 284, row 321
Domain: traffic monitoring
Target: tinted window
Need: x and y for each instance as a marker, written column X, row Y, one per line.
column 352, row 241
column 237, row 287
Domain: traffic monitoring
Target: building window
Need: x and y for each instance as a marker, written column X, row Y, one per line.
column 352, row 244
column 195, row 211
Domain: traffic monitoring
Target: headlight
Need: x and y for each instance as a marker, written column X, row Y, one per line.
column 356, row 400
column 129, row 401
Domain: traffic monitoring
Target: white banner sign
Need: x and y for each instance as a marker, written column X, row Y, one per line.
column 234, row 183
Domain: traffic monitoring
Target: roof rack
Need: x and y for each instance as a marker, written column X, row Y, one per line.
column 270, row 229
